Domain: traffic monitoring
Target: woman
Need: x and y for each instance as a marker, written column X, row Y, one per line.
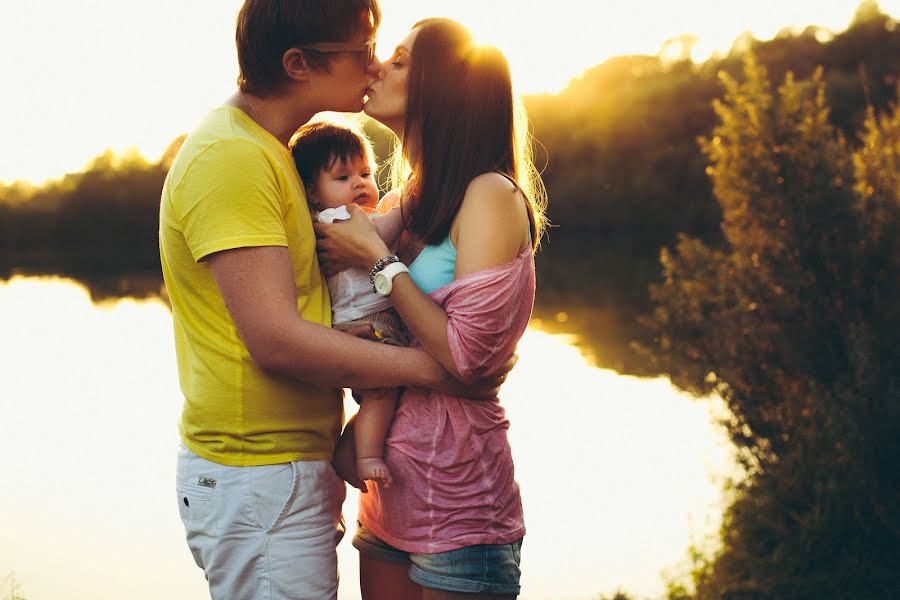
column 451, row 525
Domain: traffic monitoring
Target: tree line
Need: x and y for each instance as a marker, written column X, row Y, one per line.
column 619, row 144
column 621, row 141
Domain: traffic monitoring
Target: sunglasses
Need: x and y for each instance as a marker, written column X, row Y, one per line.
column 329, row 47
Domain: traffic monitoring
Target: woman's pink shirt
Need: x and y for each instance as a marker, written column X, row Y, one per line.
column 454, row 481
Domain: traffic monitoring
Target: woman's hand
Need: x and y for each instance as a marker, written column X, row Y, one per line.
column 353, row 243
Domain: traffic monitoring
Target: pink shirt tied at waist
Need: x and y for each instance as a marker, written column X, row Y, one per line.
column 450, row 458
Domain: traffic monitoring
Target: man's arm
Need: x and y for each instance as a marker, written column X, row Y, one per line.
column 259, row 292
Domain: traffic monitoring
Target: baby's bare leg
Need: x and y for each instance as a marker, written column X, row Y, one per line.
column 376, row 410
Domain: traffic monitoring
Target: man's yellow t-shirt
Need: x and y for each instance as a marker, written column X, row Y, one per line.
column 234, row 185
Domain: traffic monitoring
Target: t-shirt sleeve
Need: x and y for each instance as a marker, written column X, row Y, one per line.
column 230, row 198
column 486, row 316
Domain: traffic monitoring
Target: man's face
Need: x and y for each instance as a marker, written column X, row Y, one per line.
column 343, row 87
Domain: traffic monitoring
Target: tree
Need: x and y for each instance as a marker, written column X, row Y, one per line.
column 794, row 324
column 868, row 11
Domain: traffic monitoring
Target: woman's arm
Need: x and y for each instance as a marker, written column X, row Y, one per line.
column 389, row 225
column 491, row 229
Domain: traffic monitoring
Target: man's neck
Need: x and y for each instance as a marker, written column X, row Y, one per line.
column 279, row 115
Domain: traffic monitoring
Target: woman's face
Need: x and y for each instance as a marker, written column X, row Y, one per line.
column 387, row 96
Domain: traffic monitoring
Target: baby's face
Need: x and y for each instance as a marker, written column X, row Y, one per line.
column 345, row 182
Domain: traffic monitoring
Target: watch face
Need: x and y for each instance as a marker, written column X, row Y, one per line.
column 382, row 284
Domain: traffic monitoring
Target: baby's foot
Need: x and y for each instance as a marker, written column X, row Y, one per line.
column 374, row 469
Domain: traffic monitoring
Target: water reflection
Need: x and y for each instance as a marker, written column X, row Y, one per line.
column 593, row 288
column 102, row 285
column 618, row 473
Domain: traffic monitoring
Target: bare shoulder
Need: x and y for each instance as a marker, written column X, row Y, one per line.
column 492, row 193
column 492, row 184
column 493, row 212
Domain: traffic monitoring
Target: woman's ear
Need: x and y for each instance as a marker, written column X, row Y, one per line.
column 295, row 65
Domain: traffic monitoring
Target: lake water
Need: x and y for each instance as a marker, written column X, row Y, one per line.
column 619, row 474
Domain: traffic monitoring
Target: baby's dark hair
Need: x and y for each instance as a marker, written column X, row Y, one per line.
column 316, row 147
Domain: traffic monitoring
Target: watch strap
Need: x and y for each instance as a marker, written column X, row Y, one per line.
column 380, row 264
column 391, row 271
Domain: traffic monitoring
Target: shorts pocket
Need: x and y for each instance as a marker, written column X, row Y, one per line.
column 194, row 502
column 517, row 551
column 272, row 492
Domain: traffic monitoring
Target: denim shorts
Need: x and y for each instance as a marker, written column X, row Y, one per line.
column 483, row 568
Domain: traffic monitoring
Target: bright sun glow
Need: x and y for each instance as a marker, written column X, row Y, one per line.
column 86, row 76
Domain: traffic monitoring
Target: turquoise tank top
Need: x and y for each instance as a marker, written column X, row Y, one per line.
column 434, row 266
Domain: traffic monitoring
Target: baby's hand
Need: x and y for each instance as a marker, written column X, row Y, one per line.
column 362, row 330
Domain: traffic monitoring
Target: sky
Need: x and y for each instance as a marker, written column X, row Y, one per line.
column 81, row 77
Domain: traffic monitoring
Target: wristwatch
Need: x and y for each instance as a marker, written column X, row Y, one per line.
column 380, row 264
column 384, row 279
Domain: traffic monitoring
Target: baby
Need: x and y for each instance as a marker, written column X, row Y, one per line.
column 335, row 164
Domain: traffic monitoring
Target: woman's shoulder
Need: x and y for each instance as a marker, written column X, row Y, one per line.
column 492, row 222
column 494, row 184
column 494, row 195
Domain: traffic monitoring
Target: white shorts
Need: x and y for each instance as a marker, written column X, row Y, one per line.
column 263, row 533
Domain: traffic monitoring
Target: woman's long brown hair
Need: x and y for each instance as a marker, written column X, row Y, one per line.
column 461, row 122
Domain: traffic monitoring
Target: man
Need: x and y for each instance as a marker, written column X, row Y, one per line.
column 259, row 367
